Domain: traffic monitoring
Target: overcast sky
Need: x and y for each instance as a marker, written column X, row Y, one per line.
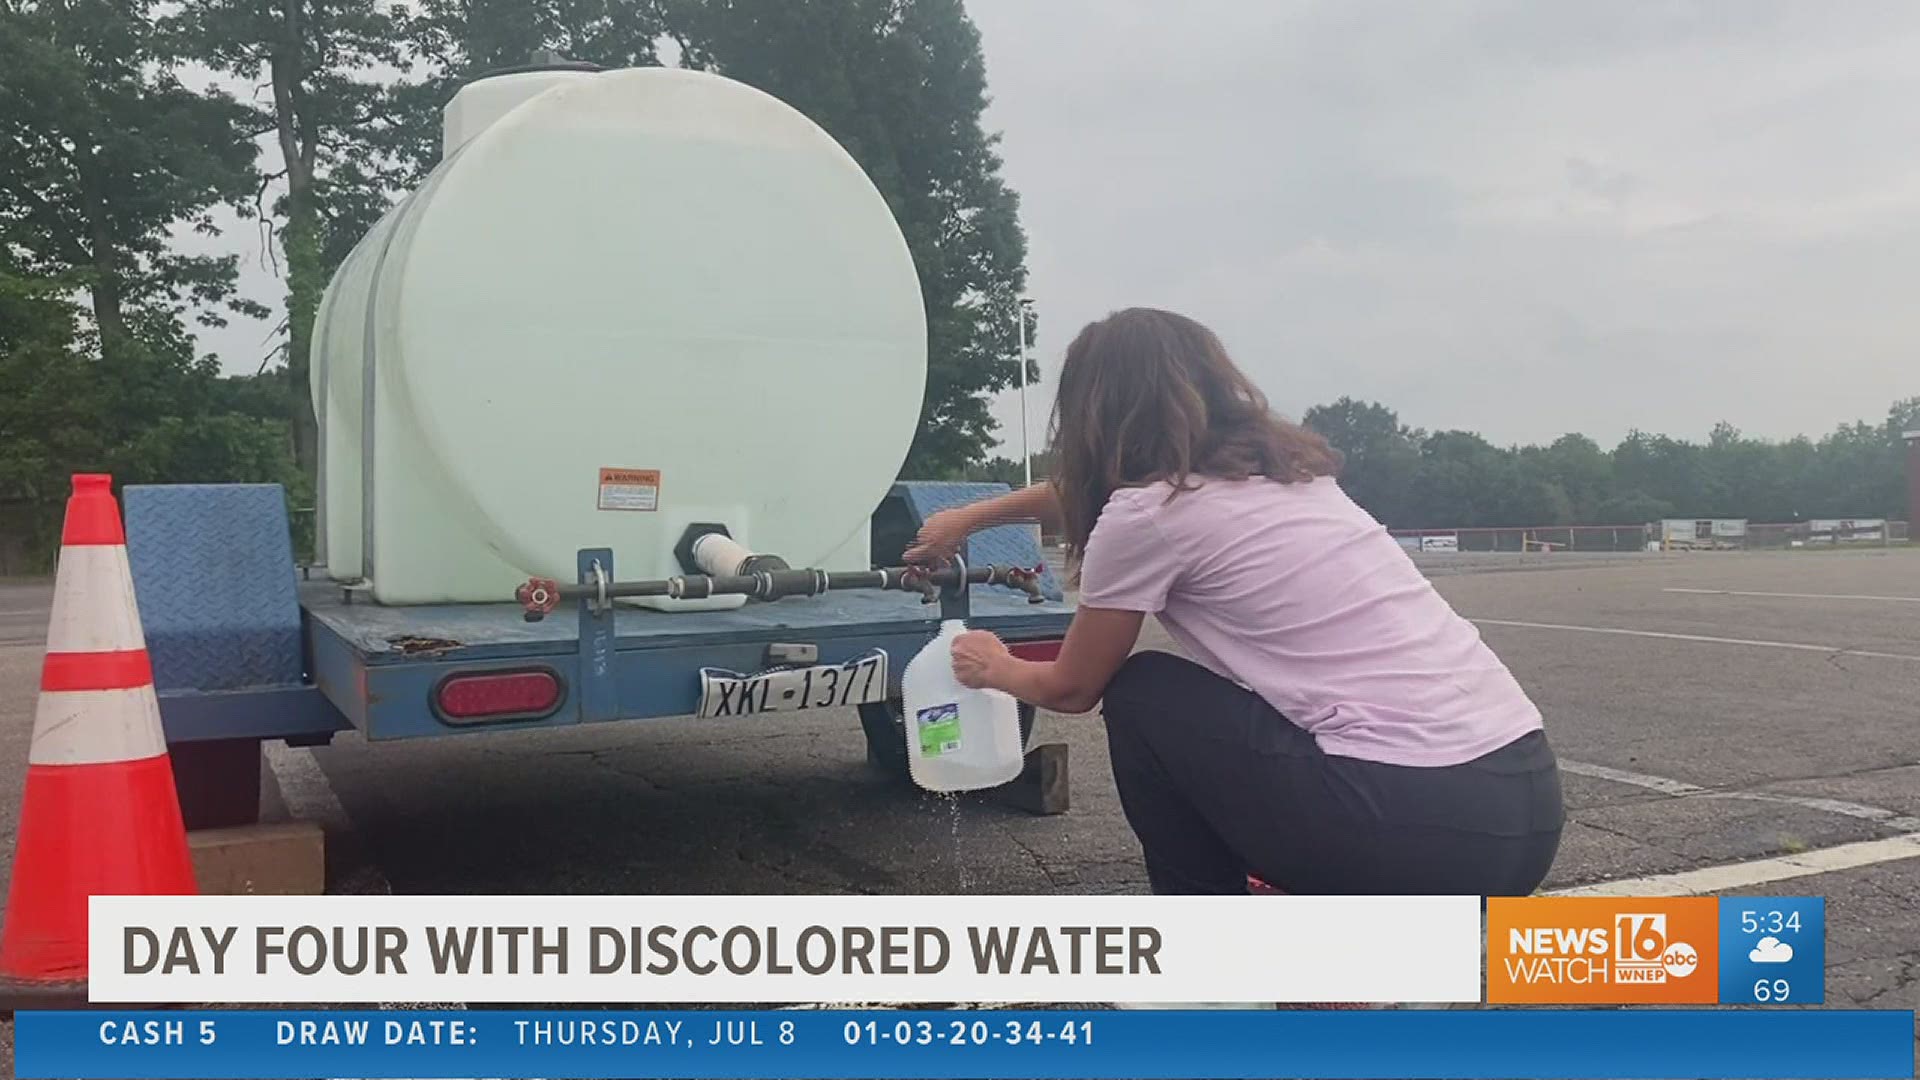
column 1522, row 218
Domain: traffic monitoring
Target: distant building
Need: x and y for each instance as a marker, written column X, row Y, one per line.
column 1846, row 530
column 1700, row 532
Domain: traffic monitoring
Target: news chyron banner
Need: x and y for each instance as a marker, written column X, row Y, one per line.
column 1077, row 951
column 1657, row 951
column 788, row 949
column 1034, row 949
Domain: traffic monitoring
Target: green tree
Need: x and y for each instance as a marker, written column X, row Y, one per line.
column 49, row 409
column 1890, row 493
column 103, row 151
column 1631, row 508
column 1903, row 416
column 1752, row 474
column 1539, row 495
column 1583, row 471
column 1672, row 471
column 902, row 85
column 455, row 41
column 1458, row 479
column 146, row 417
column 1464, row 480
column 104, row 154
column 1006, row 470
column 1853, row 462
column 335, row 125
column 1381, row 454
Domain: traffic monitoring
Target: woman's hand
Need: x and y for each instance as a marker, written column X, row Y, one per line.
column 944, row 532
column 978, row 658
column 941, row 536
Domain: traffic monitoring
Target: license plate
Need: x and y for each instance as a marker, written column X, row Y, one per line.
column 859, row 681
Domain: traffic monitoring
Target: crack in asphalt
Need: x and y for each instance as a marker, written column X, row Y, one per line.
column 600, row 757
column 1909, row 974
column 1642, row 841
column 786, row 873
column 1886, row 892
column 1039, row 861
column 1906, row 978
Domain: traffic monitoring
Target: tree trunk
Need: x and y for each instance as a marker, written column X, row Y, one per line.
column 301, row 236
column 105, row 287
column 304, row 285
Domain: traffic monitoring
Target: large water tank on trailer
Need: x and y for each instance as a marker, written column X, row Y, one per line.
column 625, row 302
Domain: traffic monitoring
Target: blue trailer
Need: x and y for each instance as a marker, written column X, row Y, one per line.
column 247, row 647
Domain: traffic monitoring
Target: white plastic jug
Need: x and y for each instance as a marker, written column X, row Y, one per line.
column 958, row 739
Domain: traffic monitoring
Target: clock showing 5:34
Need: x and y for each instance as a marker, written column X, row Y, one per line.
column 1773, row 950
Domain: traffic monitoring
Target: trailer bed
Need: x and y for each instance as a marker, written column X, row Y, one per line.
column 381, row 666
column 242, row 649
column 380, row 635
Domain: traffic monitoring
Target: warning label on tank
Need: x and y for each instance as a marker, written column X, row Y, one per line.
column 629, row 489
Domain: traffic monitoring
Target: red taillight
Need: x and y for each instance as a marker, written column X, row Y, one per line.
column 1035, row 650
column 498, row 695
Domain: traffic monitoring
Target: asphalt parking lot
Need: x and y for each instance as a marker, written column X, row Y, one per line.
column 1728, row 722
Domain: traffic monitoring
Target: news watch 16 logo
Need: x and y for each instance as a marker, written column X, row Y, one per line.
column 1587, row 950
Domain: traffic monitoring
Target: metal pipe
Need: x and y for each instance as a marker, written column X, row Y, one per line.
column 540, row 597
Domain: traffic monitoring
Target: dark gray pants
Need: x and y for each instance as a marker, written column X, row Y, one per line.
column 1218, row 785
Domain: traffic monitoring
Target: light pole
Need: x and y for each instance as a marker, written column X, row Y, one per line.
column 1026, row 455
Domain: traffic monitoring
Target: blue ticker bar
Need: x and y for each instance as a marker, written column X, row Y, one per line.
column 1621, row 1044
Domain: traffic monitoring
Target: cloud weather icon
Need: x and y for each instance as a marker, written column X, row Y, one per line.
column 1771, row 950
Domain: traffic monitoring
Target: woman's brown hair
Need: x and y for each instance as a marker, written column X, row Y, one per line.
column 1147, row 395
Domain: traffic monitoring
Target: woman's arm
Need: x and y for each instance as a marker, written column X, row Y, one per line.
column 944, row 532
column 1098, row 641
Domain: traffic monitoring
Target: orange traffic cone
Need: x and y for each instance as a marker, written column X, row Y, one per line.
column 99, row 817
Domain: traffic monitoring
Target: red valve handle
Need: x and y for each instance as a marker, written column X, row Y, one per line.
column 539, row 596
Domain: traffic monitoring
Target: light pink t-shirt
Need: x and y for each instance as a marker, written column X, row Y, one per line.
column 1296, row 593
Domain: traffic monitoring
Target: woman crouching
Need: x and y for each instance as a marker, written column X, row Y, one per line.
column 1335, row 727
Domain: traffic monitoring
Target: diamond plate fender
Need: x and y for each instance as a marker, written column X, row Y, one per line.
column 213, row 574
column 913, row 501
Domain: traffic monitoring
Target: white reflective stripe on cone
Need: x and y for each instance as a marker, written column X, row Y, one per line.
column 91, row 727
column 93, row 607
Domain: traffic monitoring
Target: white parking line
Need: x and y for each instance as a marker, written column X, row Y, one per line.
column 1680, row 789
column 1663, row 785
column 1886, row 819
column 1718, row 879
column 1796, row 595
column 1797, row 646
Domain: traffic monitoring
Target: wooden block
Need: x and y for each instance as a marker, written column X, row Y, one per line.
column 1042, row 786
column 285, row 859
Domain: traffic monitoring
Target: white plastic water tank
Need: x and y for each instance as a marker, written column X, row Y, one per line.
column 632, row 301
